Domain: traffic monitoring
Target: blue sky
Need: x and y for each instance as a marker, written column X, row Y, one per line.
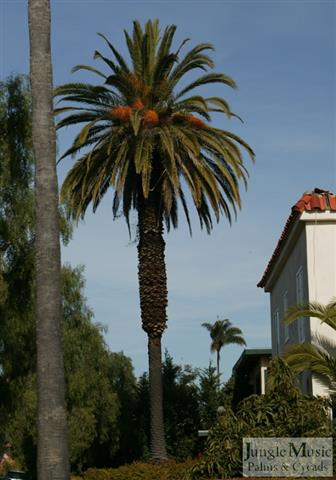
column 282, row 55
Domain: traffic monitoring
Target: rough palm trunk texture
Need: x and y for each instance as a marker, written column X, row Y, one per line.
column 52, row 457
column 153, row 302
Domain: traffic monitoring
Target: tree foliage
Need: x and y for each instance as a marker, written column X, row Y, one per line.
column 16, row 227
column 209, row 396
column 94, row 376
column 282, row 412
column 181, row 409
column 143, row 135
column 318, row 356
column 222, row 333
column 192, row 399
column 92, row 402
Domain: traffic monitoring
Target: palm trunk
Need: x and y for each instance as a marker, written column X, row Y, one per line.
column 218, row 360
column 52, row 444
column 157, row 440
column 153, row 303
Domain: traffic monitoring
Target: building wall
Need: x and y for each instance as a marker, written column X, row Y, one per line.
column 321, row 259
column 285, row 285
column 314, row 253
column 284, row 294
column 321, row 265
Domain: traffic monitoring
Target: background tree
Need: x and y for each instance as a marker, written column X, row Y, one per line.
column 222, row 333
column 93, row 404
column 124, row 384
column 319, row 356
column 100, row 384
column 181, row 409
column 212, row 396
column 16, row 234
column 142, row 138
column 209, row 396
column 17, row 334
column 52, row 452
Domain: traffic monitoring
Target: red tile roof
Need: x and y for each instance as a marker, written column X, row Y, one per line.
column 318, row 200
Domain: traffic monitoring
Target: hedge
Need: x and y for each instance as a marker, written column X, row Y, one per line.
column 148, row 471
column 142, row 471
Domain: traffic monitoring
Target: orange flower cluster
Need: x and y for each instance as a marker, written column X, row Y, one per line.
column 197, row 122
column 138, row 104
column 121, row 113
column 151, row 117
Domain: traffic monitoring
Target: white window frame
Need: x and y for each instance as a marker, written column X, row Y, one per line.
column 300, row 300
column 285, row 308
column 263, row 372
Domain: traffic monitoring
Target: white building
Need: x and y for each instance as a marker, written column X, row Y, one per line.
column 303, row 268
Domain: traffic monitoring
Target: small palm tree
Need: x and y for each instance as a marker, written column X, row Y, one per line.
column 319, row 356
column 149, row 139
column 223, row 333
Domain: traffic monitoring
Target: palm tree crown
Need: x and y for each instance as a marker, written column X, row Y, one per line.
column 143, row 134
column 223, row 333
column 319, row 356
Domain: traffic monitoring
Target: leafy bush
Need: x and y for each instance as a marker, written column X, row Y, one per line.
column 283, row 412
column 142, row 471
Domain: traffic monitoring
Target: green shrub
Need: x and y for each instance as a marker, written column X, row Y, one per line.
column 142, row 471
column 283, row 412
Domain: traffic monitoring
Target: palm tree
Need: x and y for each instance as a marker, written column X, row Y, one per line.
column 319, row 356
column 223, row 333
column 52, row 458
column 142, row 137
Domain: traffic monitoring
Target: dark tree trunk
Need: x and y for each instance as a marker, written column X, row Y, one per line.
column 153, row 303
column 218, row 360
column 157, row 436
column 52, row 457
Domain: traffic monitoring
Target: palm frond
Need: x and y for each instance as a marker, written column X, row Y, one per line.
column 205, row 80
column 325, row 313
column 313, row 358
column 88, row 68
column 122, row 63
column 195, row 58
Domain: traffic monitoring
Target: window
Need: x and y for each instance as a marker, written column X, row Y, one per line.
column 277, row 329
column 300, row 300
column 285, row 308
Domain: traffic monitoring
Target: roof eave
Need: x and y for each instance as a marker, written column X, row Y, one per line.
column 255, row 352
column 284, row 247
